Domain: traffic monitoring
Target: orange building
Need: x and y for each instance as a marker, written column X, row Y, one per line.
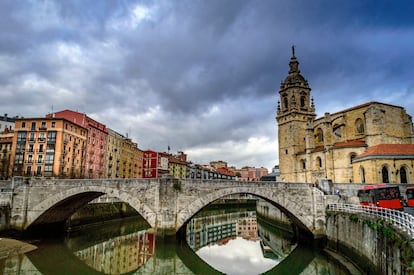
column 48, row 147
column 96, row 142
column 6, row 141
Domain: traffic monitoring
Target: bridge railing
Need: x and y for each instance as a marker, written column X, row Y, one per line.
column 400, row 219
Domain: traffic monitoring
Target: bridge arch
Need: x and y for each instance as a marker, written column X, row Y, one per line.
column 293, row 209
column 59, row 207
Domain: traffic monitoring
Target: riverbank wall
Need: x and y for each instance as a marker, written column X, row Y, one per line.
column 4, row 217
column 372, row 244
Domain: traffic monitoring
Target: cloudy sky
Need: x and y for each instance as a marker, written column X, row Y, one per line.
column 201, row 76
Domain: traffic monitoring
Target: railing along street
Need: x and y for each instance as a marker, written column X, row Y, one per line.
column 400, row 219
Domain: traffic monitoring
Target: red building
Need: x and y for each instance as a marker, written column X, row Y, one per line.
column 154, row 164
column 95, row 166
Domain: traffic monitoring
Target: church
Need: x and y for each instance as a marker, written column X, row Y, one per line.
column 368, row 143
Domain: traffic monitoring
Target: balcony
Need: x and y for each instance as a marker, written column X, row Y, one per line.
column 42, row 128
column 51, row 141
column 41, row 139
column 39, row 161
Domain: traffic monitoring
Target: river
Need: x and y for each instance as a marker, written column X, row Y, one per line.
column 219, row 241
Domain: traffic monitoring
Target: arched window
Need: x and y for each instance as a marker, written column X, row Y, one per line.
column 302, row 100
column 319, row 135
column 337, row 130
column 319, row 162
column 385, row 177
column 285, row 103
column 303, row 163
column 359, row 124
column 351, row 157
column 362, row 174
column 403, row 175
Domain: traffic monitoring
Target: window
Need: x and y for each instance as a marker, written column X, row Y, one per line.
column 319, row 135
column 337, row 130
column 21, row 137
column 362, row 174
column 285, row 103
column 359, row 124
column 319, row 162
column 303, row 100
column 351, row 157
column 51, row 136
column 49, row 158
column 33, row 128
column 32, row 137
column 23, row 124
column 303, row 163
column 43, row 125
column 403, row 175
column 384, row 172
column 29, row 170
column 39, row 171
column 40, row 159
column 53, row 124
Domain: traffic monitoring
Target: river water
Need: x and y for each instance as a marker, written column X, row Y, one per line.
column 219, row 241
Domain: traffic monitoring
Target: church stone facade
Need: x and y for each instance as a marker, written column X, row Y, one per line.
column 368, row 143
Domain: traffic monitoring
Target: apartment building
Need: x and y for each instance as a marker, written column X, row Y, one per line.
column 96, row 141
column 48, row 147
column 6, row 141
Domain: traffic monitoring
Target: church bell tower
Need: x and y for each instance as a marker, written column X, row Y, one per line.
column 295, row 114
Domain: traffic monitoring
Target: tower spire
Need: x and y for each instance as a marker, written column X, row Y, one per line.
column 294, row 64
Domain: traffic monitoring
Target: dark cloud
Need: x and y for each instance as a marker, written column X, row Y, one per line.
column 202, row 76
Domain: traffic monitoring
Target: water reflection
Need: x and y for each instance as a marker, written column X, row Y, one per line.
column 121, row 254
column 230, row 243
column 219, row 242
column 238, row 256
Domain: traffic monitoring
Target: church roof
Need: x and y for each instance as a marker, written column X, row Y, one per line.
column 388, row 150
column 352, row 143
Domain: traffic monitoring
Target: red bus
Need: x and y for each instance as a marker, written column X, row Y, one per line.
column 410, row 196
column 381, row 195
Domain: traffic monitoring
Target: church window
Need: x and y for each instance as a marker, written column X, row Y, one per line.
column 319, row 135
column 303, row 163
column 319, row 162
column 285, row 103
column 359, row 126
column 403, row 175
column 384, row 173
column 351, row 157
column 362, row 174
column 337, row 129
column 302, row 101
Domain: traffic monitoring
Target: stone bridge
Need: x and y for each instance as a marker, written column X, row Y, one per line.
column 166, row 204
